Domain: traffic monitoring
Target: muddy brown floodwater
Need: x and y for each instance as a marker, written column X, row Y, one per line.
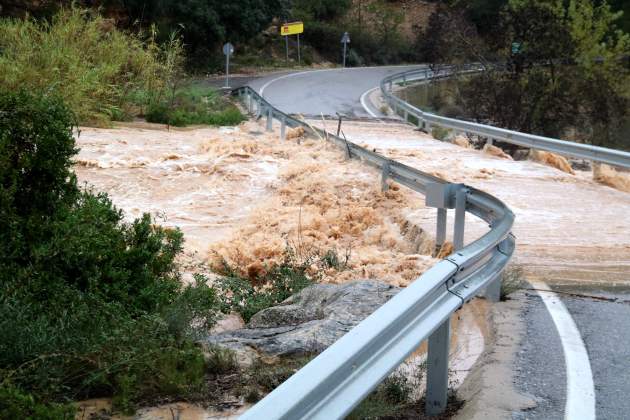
column 241, row 195
column 568, row 227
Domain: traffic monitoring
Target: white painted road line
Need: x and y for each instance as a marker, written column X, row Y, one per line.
column 266, row 85
column 364, row 102
column 580, row 390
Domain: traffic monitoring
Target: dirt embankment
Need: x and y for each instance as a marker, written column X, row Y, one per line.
column 242, row 195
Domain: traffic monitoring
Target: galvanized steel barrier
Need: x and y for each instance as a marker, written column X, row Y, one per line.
column 426, row 120
column 333, row 383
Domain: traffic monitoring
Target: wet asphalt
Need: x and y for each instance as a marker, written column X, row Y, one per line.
column 605, row 329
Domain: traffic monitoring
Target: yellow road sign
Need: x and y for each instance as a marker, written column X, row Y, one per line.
column 292, row 28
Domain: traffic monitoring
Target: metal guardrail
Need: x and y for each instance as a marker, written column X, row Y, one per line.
column 333, row 383
column 426, row 119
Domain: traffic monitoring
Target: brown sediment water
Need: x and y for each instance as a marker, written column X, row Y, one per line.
column 101, row 408
column 203, row 181
column 567, row 227
column 242, row 195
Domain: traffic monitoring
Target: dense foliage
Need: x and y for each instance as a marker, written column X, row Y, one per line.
column 101, row 72
column 90, row 305
column 564, row 67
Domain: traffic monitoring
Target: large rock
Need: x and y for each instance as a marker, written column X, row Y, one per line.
column 307, row 322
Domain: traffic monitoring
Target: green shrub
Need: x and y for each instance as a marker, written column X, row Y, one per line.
column 269, row 376
column 90, row 305
column 248, row 295
column 83, row 58
column 388, row 400
column 512, row 281
column 193, row 105
column 440, row 133
column 16, row 405
column 220, row 360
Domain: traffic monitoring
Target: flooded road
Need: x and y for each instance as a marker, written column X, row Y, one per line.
column 242, row 196
column 568, row 227
column 203, row 181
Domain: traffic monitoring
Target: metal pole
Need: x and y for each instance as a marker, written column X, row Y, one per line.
column 460, row 218
column 344, row 54
column 299, row 57
column 339, row 125
column 286, row 43
column 384, row 175
column 440, row 236
column 493, row 290
column 283, row 128
column 269, row 119
column 227, row 70
column 437, row 369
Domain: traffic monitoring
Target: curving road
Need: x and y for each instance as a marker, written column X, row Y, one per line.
column 328, row 91
column 600, row 315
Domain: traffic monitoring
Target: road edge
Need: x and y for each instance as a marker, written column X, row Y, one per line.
column 489, row 390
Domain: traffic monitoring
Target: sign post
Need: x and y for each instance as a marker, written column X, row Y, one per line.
column 293, row 28
column 228, row 50
column 345, row 40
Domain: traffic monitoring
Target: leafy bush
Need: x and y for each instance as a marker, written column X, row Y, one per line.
column 440, row 133
column 194, row 105
column 83, row 58
column 90, row 305
column 277, row 284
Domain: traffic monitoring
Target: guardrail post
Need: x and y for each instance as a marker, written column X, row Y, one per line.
column 249, row 103
column 269, row 118
column 283, row 128
column 437, row 369
column 493, row 290
column 258, row 110
column 440, row 236
column 405, row 115
column 460, row 218
column 384, row 175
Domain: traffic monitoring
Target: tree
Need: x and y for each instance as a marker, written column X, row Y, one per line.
column 567, row 72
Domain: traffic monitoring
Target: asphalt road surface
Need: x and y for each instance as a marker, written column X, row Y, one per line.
column 326, row 92
column 602, row 316
column 598, row 346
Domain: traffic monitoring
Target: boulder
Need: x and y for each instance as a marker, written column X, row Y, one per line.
column 307, row 322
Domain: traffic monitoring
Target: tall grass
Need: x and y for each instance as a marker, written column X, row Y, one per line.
column 98, row 70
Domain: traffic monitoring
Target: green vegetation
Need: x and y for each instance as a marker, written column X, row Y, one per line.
column 440, row 133
column 82, row 58
column 89, row 305
column 391, row 398
column 105, row 74
column 250, row 292
column 194, row 105
column 568, row 77
column 513, row 280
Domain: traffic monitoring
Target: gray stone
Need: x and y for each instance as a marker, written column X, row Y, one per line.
column 307, row 322
column 580, row 164
column 521, row 154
